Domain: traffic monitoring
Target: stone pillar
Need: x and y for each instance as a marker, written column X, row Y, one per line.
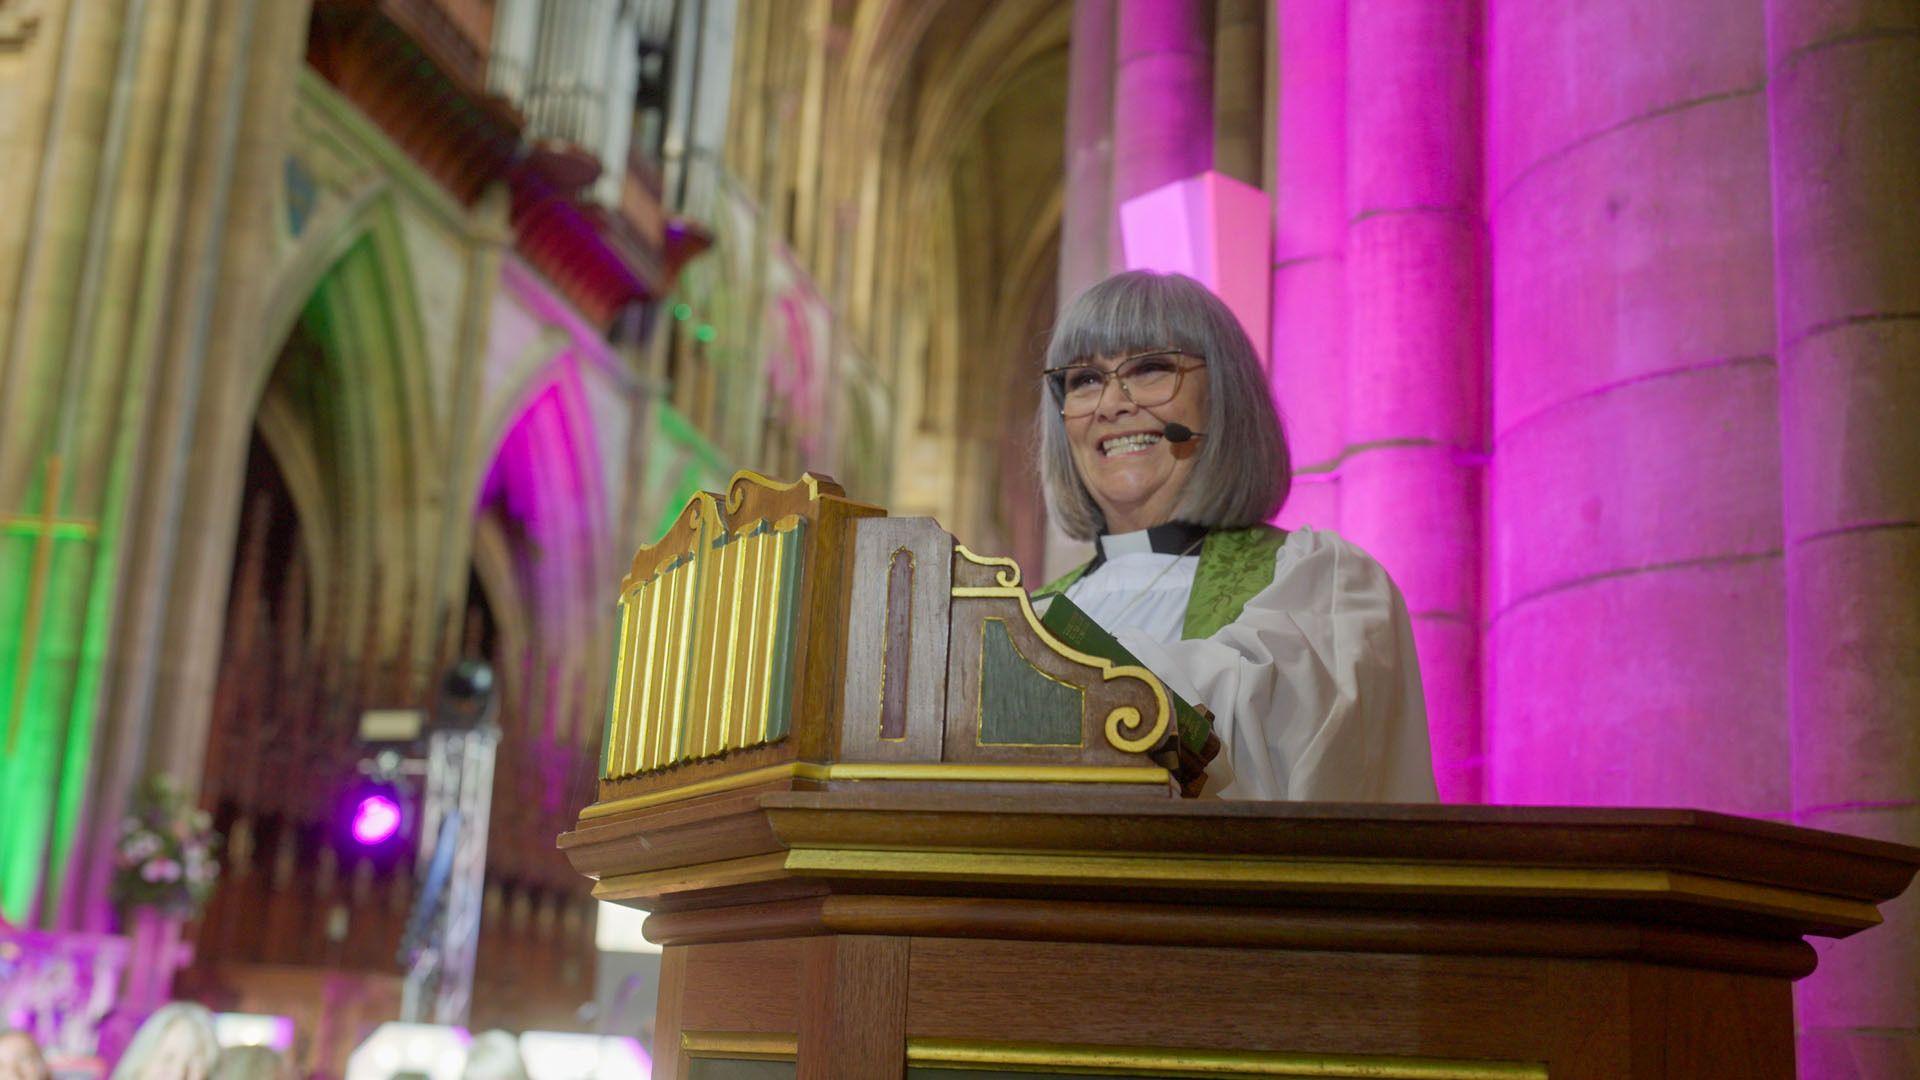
column 1410, row 479
column 1843, row 104
column 124, row 115
column 1162, row 95
column 163, row 132
column 1089, row 244
column 1239, row 90
column 1636, row 605
column 1308, row 343
column 1089, row 222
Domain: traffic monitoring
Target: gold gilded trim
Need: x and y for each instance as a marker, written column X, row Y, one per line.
column 710, row 875
column 886, row 770
column 736, row 490
column 803, row 770
column 1328, row 875
column 735, row 574
column 750, row 1045
column 702, row 522
column 1006, row 572
column 1032, row 774
column 1091, row 1060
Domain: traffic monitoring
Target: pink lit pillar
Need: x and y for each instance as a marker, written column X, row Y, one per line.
column 1635, row 608
column 1089, row 226
column 1843, row 98
column 1415, row 303
column 1162, row 94
column 1308, row 342
column 1088, row 238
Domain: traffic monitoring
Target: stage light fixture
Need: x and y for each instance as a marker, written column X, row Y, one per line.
column 376, row 818
column 378, row 809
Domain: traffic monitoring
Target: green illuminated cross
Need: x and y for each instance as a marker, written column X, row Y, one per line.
column 46, row 526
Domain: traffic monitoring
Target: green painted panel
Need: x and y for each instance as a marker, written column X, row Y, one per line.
column 1020, row 705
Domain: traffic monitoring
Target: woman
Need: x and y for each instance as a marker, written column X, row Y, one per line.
column 175, row 1043
column 1159, row 442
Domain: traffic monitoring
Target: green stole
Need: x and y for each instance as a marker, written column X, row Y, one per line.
column 1235, row 564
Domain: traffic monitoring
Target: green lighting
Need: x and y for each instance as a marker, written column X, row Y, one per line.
column 705, row 333
column 683, row 311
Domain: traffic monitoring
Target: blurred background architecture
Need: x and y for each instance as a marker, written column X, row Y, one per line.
column 345, row 340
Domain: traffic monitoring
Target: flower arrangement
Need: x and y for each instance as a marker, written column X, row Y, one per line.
column 167, row 855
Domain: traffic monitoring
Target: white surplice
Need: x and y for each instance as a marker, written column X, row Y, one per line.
column 1314, row 688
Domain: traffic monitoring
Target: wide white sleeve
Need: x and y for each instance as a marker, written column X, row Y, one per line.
column 1315, row 688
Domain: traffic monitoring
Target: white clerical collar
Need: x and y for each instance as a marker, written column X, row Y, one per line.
column 1172, row 538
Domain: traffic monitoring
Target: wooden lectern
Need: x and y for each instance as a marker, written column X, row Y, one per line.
column 888, row 827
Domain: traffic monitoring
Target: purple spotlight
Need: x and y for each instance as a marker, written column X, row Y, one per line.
column 375, row 819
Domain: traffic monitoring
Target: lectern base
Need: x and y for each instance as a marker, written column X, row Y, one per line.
column 881, row 935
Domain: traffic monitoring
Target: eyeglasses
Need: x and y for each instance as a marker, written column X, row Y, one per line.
column 1148, row 379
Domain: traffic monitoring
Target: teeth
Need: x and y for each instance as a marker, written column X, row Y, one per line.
column 1128, row 444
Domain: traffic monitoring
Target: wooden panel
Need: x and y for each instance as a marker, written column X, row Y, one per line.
column 742, row 986
column 1173, row 997
column 1585, row 1020
column 1710, row 1024
column 668, row 1062
column 877, row 667
column 853, row 1022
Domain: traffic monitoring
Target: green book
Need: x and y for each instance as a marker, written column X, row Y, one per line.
column 1065, row 620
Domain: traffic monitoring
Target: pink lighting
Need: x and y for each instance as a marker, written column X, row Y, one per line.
column 376, row 818
column 1214, row 229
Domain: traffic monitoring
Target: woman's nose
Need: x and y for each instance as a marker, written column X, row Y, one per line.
column 1114, row 401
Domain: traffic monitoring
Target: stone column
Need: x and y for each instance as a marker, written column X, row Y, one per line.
column 1239, row 90
column 1162, row 94
column 207, row 214
column 1636, row 607
column 1416, row 301
column 126, row 112
column 1843, row 106
column 1309, row 346
column 1089, row 247
column 1089, row 223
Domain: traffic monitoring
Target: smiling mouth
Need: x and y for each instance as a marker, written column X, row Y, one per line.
column 1124, row 445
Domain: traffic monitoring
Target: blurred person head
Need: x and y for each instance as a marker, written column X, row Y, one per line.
column 494, row 1055
column 250, row 1063
column 1129, row 358
column 20, row 1057
column 176, row 1043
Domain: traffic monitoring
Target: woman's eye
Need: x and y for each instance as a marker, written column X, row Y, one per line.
column 1153, row 365
column 1081, row 380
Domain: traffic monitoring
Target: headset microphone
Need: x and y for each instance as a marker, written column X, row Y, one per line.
column 1179, row 433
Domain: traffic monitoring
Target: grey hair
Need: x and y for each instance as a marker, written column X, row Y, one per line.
column 1243, row 472
column 139, row 1053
